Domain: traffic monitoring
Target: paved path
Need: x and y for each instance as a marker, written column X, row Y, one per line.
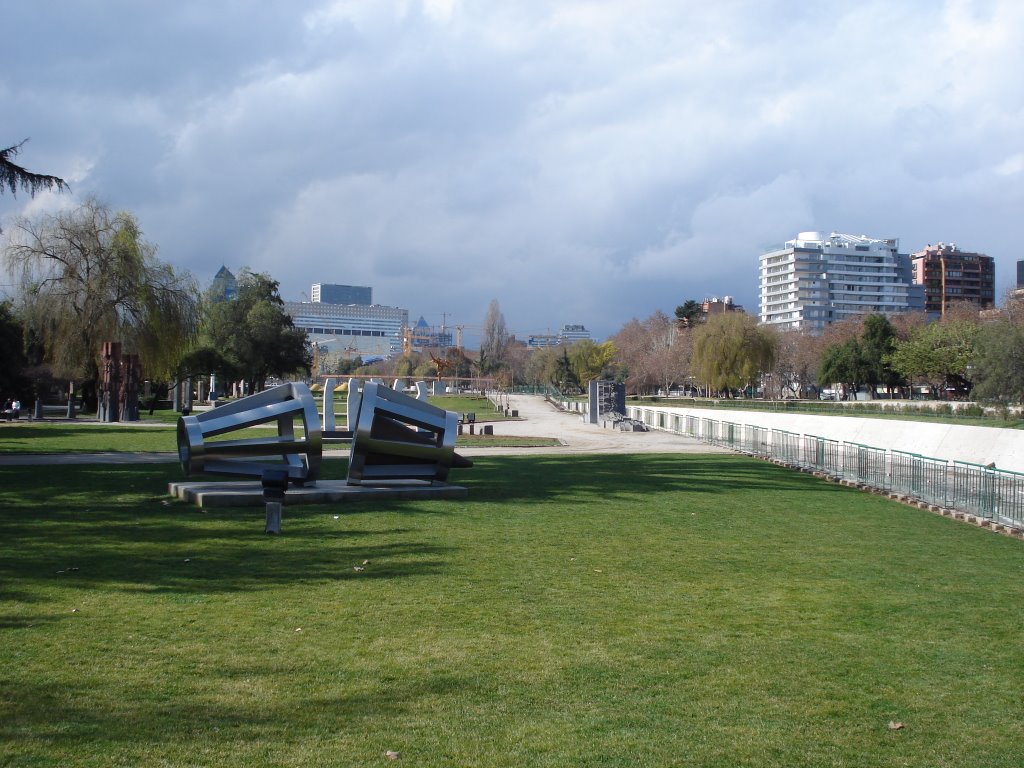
column 541, row 419
column 538, row 418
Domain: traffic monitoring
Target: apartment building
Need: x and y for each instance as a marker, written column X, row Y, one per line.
column 949, row 275
column 815, row 279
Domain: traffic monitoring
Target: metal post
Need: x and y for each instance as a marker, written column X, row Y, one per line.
column 275, row 483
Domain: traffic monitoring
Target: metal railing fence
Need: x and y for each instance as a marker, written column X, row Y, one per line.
column 982, row 491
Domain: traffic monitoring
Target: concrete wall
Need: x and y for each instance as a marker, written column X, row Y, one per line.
column 952, row 442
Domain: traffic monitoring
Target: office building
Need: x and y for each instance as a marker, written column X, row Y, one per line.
column 815, row 280
column 950, row 275
column 541, row 340
column 351, row 329
column 329, row 293
column 224, row 286
column 571, row 333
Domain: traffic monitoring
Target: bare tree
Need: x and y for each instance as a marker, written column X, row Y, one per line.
column 496, row 339
column 654, row 353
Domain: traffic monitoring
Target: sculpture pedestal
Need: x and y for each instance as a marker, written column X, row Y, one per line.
column 273, row 517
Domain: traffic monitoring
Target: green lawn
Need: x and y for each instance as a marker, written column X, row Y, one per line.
column 64, row 437
column 68, row 437
column 689, row 610
column 463, row 404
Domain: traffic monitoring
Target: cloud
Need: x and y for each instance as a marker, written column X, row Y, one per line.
column 582, row 161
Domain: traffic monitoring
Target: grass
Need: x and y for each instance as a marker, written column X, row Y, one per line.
column 505, row 441
column 66, row 437
column 462, row 404
column 691, row 610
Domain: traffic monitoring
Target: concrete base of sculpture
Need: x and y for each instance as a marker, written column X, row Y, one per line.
column 250, row 494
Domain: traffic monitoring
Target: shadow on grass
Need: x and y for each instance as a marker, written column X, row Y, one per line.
column 103, row 526
column 113, row 525
column 67, row 714
column 554, row 478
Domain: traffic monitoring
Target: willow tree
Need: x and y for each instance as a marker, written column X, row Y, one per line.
column 86, row 276
column 730, row 350
column 591, row 360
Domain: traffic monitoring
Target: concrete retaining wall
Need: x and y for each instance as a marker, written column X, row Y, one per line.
column 952, row 442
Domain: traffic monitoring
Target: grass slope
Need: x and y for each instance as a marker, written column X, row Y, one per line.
column 596, row 611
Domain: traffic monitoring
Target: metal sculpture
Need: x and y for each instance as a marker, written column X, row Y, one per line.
column 397, row 437
column 328, row 404
column 285, row 404
column 110, row 383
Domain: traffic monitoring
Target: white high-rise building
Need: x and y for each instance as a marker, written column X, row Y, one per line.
column 817, row 279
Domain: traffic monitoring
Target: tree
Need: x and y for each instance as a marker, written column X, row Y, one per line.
column 653, row 353
column 634, row 357
column 541, row 367
column 590, row 360
column 878, row 341
column 12, row 352
column 254, row 334
column 730, row 350
column 796, row 364
column 495, row 341
column 998, row 362
column 13, row 176
column 347, row 366
column 939, row 353
column 87, row 276
column 844, row 364
column 689, row 313
column 565, row 378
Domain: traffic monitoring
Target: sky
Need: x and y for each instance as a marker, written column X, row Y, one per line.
column 580, row 162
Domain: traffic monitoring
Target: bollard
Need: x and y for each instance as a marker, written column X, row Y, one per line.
column 273, row 517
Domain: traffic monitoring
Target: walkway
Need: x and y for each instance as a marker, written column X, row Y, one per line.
column 541, row 419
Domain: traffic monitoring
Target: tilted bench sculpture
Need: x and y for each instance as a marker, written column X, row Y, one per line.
column 397, row 437
column 394, row 438
column 286, row 404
